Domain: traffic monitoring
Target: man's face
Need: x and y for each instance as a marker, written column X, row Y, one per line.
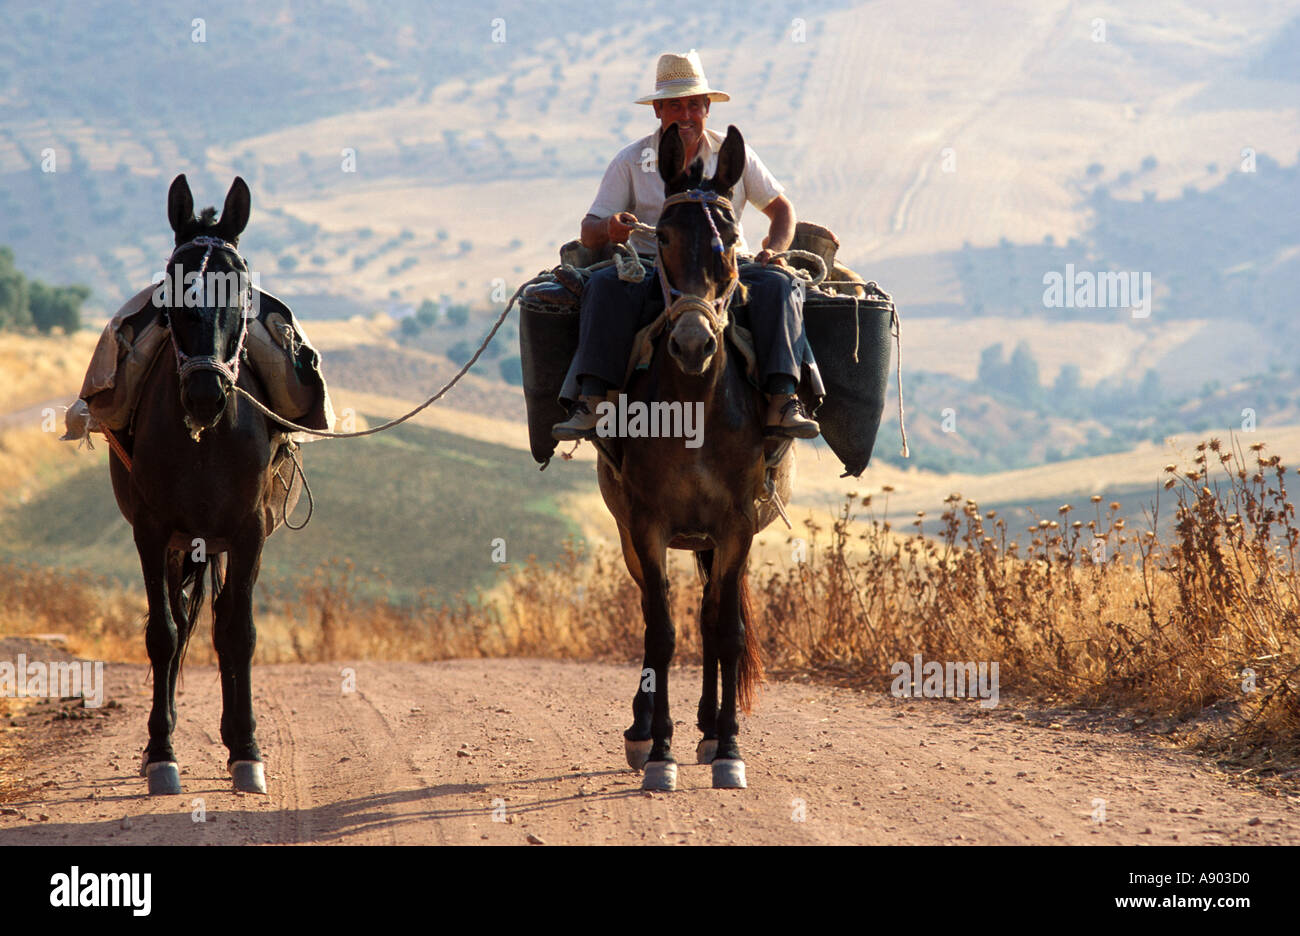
column 689, row 113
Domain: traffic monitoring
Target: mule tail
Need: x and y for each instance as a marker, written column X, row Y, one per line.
column 703, row 565
column 750, row 675
column 192, row 577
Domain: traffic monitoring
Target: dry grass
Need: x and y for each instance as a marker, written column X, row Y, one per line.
column 35, row 367
column 1081, row 612
column 32, row 459
column 577, row 608
column 101, row 620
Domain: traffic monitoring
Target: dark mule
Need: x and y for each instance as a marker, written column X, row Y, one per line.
column 201, row 484
column 706, row 499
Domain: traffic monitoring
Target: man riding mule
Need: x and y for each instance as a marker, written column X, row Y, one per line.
column 631, row 194
column 709, row 499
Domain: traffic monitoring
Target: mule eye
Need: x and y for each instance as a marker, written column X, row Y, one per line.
column 662, row 236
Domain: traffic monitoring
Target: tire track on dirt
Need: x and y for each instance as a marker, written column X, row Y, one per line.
column 498, row 751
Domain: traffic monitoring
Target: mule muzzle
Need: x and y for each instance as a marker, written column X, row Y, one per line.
column 693, row 342
column 204, row 397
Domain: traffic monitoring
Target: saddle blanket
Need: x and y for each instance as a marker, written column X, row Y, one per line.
column 276, row 348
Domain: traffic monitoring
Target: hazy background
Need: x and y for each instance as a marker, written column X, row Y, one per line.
column 961, row 151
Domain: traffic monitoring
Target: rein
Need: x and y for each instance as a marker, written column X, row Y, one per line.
column 715, row 311
column 325, row 434
column 678, row 302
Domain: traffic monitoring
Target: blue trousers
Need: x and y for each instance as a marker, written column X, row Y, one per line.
column 613, row 311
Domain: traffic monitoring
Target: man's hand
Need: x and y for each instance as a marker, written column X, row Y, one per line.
column 780, row 233
column 766, row 256
column 620, row 226
column 596, row 232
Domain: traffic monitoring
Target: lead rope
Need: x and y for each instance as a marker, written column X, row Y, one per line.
column 288, row 490
column 897, row 328
column 630, row 268
column 496, row 326
column 857, row 329
column 780, row 508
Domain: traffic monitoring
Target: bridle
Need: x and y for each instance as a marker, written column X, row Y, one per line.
column 187, row 364
column 678, row 302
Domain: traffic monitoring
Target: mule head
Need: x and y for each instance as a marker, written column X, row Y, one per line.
column 697, row 247
column 208, row 297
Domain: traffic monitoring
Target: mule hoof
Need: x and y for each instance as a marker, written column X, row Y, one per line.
column 638, row 752
column 660, row 775
column 164, row 778
column 249, row 776
column 706, row 750
column 729, row 774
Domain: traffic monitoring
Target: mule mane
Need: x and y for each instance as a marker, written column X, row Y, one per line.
column 693, row 180
column 205, row 225
column 693, row 177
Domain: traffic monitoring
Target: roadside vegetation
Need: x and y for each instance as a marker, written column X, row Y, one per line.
column 1196, row 633
column 31, row 305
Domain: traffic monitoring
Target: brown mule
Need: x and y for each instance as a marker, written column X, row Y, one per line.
column 666, row 493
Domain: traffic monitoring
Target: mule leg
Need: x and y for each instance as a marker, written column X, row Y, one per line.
column 707, row 717
column 163, row 644
column 636, row 739
column 660, row 641
column 176, row 563
column 236, row 638
column 728, row 767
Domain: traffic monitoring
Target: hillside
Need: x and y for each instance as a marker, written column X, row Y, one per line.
column 411, row 156
column 421, row 504
column 1161, row 142
column 449, row 125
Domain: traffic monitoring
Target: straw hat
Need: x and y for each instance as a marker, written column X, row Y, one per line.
column 678, row 76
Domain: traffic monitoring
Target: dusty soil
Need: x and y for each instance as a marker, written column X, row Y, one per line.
column 427, row 753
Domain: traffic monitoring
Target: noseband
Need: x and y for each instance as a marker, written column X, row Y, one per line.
column 187, row 364
column 678, row 302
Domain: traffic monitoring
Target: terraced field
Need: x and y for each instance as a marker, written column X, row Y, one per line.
column 419, row 505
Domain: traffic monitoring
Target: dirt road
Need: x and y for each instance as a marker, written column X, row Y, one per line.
column 428, row 753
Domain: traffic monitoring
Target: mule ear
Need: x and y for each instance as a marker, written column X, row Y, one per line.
column 180, row 203
column 671, row 153
column 234, row 216
column 731, row 162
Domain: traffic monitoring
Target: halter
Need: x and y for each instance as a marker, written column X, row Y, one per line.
column 187, row 364
column 679, row 302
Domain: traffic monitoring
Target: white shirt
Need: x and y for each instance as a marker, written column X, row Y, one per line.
column 632, row 183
